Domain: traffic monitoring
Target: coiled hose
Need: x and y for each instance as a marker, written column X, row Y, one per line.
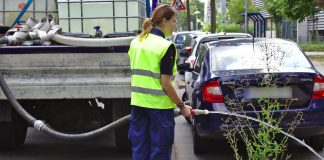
column 41, row 126
column 4, row 40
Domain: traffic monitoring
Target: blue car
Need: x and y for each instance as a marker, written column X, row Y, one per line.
column 223, row 67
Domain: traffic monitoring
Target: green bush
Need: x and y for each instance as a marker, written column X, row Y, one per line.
column 261, row 142
column 312, row 46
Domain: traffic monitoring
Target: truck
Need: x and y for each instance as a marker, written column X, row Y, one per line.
column 72, row 89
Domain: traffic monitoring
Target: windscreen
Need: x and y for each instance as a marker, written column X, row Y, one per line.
column 180, row 39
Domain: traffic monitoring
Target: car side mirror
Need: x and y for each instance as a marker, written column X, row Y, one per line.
column 184, row 67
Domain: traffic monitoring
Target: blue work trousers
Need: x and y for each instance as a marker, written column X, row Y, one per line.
column 151, row 133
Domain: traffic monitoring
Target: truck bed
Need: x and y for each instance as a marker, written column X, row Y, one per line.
column 66, row 72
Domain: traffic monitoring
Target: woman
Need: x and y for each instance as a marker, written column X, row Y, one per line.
column 153, row 97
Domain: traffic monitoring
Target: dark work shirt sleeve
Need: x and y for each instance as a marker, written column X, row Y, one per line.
column 167, row 61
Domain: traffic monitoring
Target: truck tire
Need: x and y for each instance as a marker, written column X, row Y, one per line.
column 13, row 128
column 121, row 108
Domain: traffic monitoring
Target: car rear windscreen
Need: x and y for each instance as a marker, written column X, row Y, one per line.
column 260, row 55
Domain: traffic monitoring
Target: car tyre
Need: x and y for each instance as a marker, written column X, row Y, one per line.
column 201, row 145
column 316, row 142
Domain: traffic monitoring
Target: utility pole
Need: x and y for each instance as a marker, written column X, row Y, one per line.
column 212, row 16
column 246, row 17
column 196, row 13
column 188, row 15
column 148, row 8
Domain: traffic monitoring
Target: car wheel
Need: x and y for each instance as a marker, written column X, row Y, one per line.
column 201, row 145
column 316, row 142
column 184, row 99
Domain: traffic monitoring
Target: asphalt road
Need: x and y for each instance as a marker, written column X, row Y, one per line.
column 39, row 146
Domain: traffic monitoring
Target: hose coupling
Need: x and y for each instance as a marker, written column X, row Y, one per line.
column 38, row 124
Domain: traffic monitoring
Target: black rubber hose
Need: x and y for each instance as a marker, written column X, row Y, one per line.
column 40, row 125
column 4, row 40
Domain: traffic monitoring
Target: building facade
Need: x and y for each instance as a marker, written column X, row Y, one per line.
column 259, row 4
column 305, row 28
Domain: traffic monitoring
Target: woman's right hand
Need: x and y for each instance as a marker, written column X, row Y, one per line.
column 185, row 111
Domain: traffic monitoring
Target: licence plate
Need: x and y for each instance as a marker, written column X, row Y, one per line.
column 284, row 92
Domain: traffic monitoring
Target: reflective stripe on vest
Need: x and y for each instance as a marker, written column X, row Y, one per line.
column 146, row 73
column 145, row 57
column 148, row 91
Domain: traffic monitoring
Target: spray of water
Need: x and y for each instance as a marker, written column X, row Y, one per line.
column 267, row 124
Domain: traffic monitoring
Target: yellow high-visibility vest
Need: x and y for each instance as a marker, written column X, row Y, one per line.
column 145, row 60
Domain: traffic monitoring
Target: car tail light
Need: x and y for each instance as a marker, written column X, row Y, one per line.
column 318, row 90
column 189, row 50
column 212, row 92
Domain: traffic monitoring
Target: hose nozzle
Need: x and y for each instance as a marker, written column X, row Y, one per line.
column 194, row 112
column 199, row 112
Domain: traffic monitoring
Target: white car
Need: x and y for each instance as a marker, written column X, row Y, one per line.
column 202, row 39
column 180, row 37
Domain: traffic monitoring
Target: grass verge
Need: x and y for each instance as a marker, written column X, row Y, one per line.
column 317, row 59
column 310, row 47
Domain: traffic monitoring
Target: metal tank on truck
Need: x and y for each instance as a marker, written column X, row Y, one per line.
column 64, row 79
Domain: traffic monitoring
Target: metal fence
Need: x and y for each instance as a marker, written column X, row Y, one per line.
column 289, row 30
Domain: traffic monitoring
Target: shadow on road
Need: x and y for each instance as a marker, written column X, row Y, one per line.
column 39, row 146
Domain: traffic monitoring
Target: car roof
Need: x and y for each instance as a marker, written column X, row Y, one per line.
column 225, row 35
column 182, row 32
column 197, row 33
column 248, row 40
column 185, row 32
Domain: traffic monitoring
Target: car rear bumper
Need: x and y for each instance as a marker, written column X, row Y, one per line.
column 299, row 132
column 312, row 124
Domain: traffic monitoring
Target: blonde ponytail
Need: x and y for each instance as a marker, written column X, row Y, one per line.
column 147, row 28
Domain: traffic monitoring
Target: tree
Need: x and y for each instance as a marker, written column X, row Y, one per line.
column 236, row 7
column 275, row 8
column 299, row 10
column 188, row 15
column 291, row 9
column 213, row 16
